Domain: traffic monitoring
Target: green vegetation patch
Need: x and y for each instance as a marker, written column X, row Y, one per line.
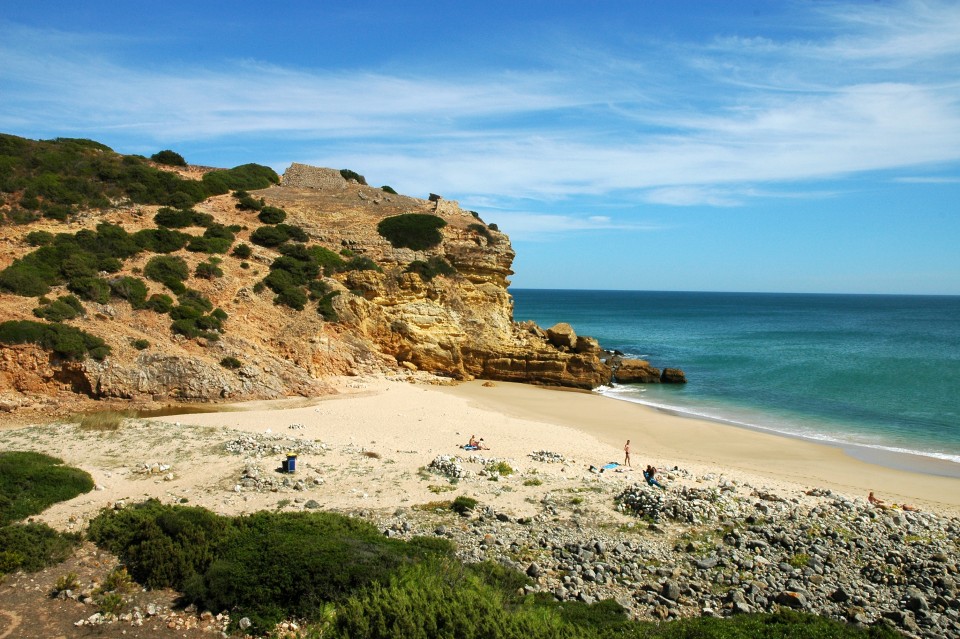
column 31, row 482
column 66, row 341
column 58, row 177
column 416, row 231
column 63, row 308
column 432, row 268
column 266, row 566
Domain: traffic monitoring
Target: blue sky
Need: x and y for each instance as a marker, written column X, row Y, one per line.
column 807, row 145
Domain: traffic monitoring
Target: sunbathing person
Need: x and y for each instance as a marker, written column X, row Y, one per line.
column 650, row 474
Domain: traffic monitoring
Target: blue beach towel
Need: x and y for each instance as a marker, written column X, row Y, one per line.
column 610, row 465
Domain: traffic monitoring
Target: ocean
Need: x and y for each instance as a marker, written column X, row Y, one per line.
column 876, row 374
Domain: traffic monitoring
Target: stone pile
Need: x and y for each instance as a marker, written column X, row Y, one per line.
column 255, row 479
column 268, row 445
column 449, row 466
column 547, row 456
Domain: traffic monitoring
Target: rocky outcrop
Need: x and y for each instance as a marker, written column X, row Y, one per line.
column 673, row 376
column 458, row 325
column 635, row 371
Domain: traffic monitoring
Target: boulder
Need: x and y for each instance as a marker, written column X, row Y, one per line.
column 562, row 335
column 673, row 376
column 636, row 371
column 587, row 345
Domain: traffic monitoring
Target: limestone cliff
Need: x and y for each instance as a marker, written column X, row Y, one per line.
column 458, row 325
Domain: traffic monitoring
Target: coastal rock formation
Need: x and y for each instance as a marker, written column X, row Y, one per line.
column 634, row 371
column 389, row 314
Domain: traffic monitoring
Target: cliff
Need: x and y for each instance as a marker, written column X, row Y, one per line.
column 384, row 316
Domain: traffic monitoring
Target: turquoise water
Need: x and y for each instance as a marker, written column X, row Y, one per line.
column 874, row 371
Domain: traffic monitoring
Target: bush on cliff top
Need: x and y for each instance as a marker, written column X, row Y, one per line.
column 416, row 231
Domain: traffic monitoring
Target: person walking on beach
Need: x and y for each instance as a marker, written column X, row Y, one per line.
column 626, row 453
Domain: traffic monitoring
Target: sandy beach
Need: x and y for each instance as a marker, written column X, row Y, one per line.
column 373, row 442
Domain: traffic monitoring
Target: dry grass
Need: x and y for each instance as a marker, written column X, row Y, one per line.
column 371, row 454
column 105, row 421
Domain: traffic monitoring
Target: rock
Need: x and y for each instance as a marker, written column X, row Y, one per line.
column 311, row 504
column 791, row 599
column 244, row 623
column 635, row 371
column 562, row 335
column 670, row 590
column 673, row 376
column 534, row 571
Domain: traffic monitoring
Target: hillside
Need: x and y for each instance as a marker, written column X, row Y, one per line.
column 197, row 284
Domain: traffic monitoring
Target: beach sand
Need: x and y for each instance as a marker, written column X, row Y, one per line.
column 376, row 438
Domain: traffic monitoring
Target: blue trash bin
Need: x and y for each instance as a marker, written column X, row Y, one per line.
column 291, row 462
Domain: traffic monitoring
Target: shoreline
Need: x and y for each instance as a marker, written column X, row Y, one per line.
column 674, row 438
column 906, row 460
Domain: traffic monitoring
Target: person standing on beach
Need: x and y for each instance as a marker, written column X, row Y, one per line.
column 626, row 453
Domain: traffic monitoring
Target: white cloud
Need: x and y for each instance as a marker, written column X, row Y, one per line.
column 741, row 111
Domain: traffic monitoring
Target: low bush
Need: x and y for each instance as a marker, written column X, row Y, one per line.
column 483, row 231
column 269, row 236
column 92, row 289
column 34, row 546
column 31, row 482
column 231, row 362
column 159, row 303
column 168, row 157
column 181, row 218
column 161, row 240
column 246, row 202
column 416, row 231
column 243, row 251
column 272, row 215
column 208, row 270
column 463, row 504
column 265, row 566
column 353, row 175
column 39, row 238
column 63, row 308
column 431, row 268
column 66, row 341
column 168, row 270
column 140, row 344
column 325, row 307
column 388, row 189
column 129, row 288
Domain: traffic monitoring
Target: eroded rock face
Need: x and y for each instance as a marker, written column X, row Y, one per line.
column 635, row 371
column 459, row 325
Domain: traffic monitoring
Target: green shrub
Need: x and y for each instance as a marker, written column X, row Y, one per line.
column 129, row 288
column 92, row 289
column 140, row 344
column 463, row 504
column 31, row 482
column 295, row 298
column 169, row 270
column 168, row 157
column 353, row 175
column 161, row 240
column 208, row 270
column 431, row 268
column 265, row 566
column 493, row 227
column 325, row 307
column 231, row 362
column 327, row 260
column 294, row 233
column 39, row 238
column 243, row 251
column 269, row 236
column 160, row 303
column 272, row 215
column 245, row 176
column 482, row 230
column 416, row 231
column 181, row 218
column 388, row 189
column 66, row 341
column 34, row 546
column 63, row 308
column 246, row 202
column 362, row 263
